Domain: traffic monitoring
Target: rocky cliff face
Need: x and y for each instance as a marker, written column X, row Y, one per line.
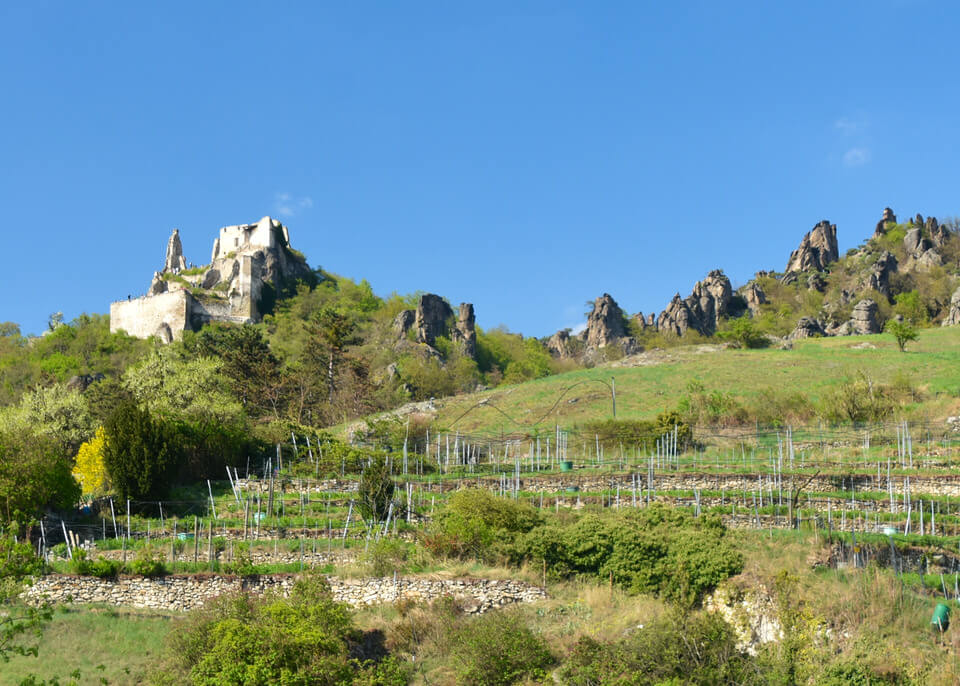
column 888, row 218
column 817, row 249
column 702, row 310
column 434, row 317
column 174, row 261
column 605, row 323
column 953, row 316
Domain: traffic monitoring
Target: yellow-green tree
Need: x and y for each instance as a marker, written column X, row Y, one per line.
column 89, row 469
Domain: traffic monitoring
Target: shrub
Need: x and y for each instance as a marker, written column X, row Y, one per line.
column 476, row 523
column 384, row 557
column 496, row 649
column 148, row 562
column 375, row 490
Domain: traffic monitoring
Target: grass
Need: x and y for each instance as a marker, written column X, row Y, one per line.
column 812, row 368
column 127, row 642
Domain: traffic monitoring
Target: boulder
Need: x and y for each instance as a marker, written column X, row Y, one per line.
column 807, row 327
column 174, row 261
column 816, row 282
column 953, row 316
column 605, row 323
column 817, row 249
column 888, row 218
column 913, row 242
column 83, row 381
column 864, row 319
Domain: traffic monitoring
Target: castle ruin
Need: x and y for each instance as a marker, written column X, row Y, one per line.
column 247, row 260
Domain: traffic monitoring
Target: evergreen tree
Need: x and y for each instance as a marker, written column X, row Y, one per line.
column 139, row 455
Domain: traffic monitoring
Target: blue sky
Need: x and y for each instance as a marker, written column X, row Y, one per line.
column 525, row 157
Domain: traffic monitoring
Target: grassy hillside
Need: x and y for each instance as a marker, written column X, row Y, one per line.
column 658, row 380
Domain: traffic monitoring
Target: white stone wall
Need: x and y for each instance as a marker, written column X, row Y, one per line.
column 145, row 316
column 246, row 237
column 181, row 593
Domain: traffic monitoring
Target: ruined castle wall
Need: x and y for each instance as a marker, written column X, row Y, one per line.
column 246, row 237
column 146, row 316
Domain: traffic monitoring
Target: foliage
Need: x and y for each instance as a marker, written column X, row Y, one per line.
column 658, row 550
column 375, row 489
column 18, row 563
column 711, row 408
column 139, row 454
column 904, row 332
column 34, row 475
column 858, row 400
column 300, row 640
column 910, row 305
column 497, row 649
column 384, row 556
column 476, row 523
column 148, row 562
column 676, row 648
column 89, row 469
column 743, row 332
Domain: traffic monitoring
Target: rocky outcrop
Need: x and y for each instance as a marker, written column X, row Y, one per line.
column 888, row 218
column 434, row 317
column 158, row 285
column 817, row 249
column 702, row 310
column 864, row 320
column 83, row 381
column 883, row 269
column 937, row 233
column 807, row 327
column 605, row 323
column 465, row 332
column 953, row 316
column 431, row 320
column 754, row 297
column 174, row 262
column 559, row 345
column 403, row 322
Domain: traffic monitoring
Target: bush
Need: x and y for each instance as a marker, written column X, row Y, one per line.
column 496, row 649
column 375, row 490
column 476, row 523
column 677, row 648
column 148, row 562
column 384, row 557
column 657, row 550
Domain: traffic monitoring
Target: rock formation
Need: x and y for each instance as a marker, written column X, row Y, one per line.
column 465, row 332
column 158, row 285
column 559, row 344
column 807, row 327
column 605, row 323
column 888, row 218
column 403, row 322
column 701, row 310
column 883, row 269
column 433, row 313
column 754, row 297
column 817, row 249
column 953, row 316
column 938, row 233
column 864, row 319
column 174, row 261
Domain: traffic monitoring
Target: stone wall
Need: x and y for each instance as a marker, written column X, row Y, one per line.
column 149, row 315
column 181, row 593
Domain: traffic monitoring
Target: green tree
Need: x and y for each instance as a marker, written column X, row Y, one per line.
column 911, row 306
column 138, row 454
column 18, row 564
column 744, row 332
column 903, row 331
column 331, row 330
column 34, row 475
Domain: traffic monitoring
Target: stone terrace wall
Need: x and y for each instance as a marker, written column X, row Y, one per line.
column 181, row 593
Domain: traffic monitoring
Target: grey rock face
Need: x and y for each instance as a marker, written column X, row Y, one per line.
column 888, row 218
column 465, row 332
column 938, row 234
column 403, row 322
column 559, row 344
column 953, row 316
column 754, row 296
column 864, row 319
column 817, row 249
column 701, row 310
column 158, row 285
column 913, row 241
column 604, row 323
column 432, row 315
column 84, row 381
column 883, row 269
column 816, row 282
column 174, row 261
column 640, row 320
column 807, row 327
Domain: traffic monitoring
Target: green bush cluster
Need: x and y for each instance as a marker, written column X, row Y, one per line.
column 498, row 649
column 657, row 550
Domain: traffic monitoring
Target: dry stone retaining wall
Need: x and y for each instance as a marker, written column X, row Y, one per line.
column 181, row 593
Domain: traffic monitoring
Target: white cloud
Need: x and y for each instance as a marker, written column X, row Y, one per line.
column 578, row 329
column 287, row 205
column 849, row 125
column 855, row 157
